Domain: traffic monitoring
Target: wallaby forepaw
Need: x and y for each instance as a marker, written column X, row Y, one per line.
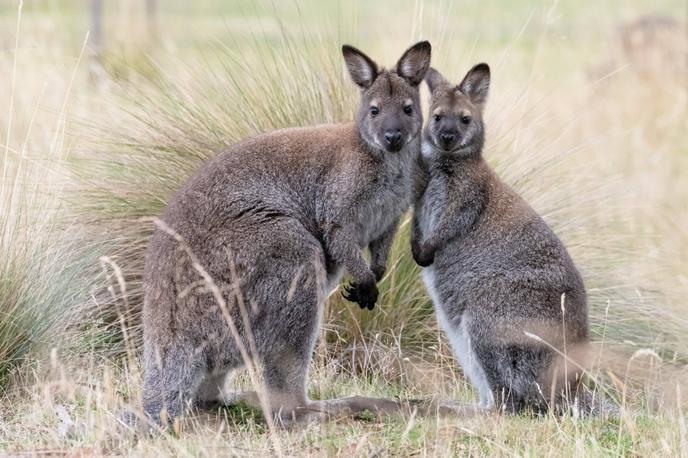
column 362, row 293
column 379, row 272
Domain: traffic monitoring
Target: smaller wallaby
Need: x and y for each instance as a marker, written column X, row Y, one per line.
column 504, row 288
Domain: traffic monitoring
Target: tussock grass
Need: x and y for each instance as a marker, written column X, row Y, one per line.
column 41, row 260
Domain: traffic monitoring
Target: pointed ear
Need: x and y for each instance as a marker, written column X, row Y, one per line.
column 415, row 63
column 361, row 67
column 435, row 79
column 476, row 84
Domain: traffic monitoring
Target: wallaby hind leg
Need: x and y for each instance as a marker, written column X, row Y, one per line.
column 286, row 360
column 515, row 373
column 169, row 384
column 285, row 386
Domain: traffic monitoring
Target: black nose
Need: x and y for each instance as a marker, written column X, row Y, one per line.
column 447, row 138
column 393, row 137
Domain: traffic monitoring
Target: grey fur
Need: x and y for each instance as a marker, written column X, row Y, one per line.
column 273, row 221
column 496, row 271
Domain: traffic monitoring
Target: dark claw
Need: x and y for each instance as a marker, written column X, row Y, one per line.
column 364, row 295
column 350, row 293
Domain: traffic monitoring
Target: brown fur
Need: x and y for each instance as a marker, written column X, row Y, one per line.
column 252, row 244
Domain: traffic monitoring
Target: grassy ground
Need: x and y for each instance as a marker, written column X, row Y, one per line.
column 587, row 119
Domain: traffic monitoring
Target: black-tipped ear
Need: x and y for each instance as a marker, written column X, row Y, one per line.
column 476, row 84
column 361, row 67
column 435, row 79
column 414, row 63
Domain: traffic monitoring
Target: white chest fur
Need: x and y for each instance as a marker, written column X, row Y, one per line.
column 460, row 341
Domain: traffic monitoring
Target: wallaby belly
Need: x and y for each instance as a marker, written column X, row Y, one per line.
column 455, row 327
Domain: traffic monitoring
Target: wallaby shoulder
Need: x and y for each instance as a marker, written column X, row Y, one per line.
column 502, row 215
column 278, row 165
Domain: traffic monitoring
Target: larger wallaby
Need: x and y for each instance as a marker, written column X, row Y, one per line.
column 252, row 244
column 505, row 290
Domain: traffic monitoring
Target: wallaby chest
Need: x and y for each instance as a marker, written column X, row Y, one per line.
column 449, row 188
column 388, row 196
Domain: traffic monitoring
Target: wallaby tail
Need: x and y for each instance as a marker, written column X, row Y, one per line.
column 363, row 407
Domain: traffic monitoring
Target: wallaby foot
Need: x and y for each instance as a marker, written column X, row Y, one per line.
column 585, row 404
column 169, row 387
column 130, row 422
column 351, row 406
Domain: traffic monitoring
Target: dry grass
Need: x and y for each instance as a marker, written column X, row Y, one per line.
column 77, row 412
column 596, row 142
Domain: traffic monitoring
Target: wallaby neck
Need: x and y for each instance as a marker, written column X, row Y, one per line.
column 450, row 162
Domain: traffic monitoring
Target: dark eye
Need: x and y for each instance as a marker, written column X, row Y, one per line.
column 466, row 119
column 437, row 118
column 408, row 109
column 374, row 111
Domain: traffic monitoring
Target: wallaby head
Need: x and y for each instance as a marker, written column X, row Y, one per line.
column 456, row 112
column 389, row 116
